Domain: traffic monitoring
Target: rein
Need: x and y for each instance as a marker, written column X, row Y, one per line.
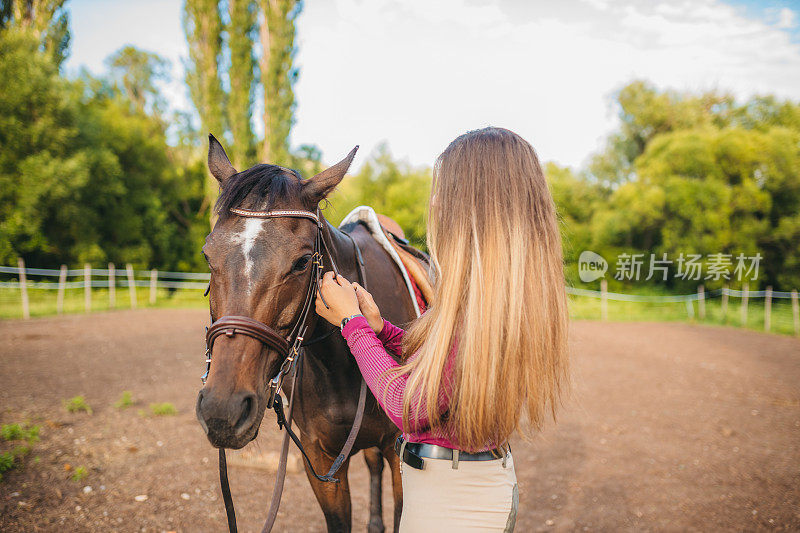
column 291, row 346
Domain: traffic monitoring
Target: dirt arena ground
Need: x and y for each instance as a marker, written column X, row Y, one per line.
column 670, row 427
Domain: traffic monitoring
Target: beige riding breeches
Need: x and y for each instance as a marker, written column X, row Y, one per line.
column 476, row 496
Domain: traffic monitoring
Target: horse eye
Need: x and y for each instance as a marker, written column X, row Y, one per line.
column 301, row 263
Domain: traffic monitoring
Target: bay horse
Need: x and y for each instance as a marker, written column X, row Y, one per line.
column 260, row 269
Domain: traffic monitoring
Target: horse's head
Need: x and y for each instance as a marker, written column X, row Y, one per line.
column 261, row 269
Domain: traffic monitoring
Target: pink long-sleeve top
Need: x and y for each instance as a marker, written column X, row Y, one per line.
column 372, row 355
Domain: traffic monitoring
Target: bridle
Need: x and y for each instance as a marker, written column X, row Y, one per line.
column 230, row 325
column 290, row 346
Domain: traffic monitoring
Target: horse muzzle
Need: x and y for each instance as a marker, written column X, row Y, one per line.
column 230, row 421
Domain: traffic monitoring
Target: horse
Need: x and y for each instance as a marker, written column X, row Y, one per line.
column 260, row 268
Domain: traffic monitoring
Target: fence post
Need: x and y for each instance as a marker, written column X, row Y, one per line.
column 689, row 309
column 153, row 285
column 112, row 287
column 87, row 287
column 603, row 299
column 62, row 284
column 724, row 304
column 131, row 285
column 768, row 308
column 23, row 287
column 796, row 313
column 745, row 298
column 701, row 302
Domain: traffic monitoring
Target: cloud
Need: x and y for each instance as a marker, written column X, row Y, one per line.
column 787, row 18
column 419, row 73
column 600, row 5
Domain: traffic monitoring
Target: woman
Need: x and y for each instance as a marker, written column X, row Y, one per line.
column 489, row 356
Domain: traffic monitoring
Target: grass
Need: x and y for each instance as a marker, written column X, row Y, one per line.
column 20, row 432
column 42, row 302
column 79, row 474
column 77, row 404
column 7, row 461
column 125, row 401
column 17, row 432
column 782, row 322
column 163, row 409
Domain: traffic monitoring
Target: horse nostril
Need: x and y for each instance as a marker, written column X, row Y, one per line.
column 248, row 413
column 199, row 412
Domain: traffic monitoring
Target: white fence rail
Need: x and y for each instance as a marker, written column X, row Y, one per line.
column 80, row 272
column 93, row 278
column 657, row 298
column 155, row 279
column 700, row 297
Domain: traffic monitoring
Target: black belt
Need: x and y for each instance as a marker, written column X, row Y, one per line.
column 415, row 451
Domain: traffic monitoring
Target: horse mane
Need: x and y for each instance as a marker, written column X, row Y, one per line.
column 261, row 186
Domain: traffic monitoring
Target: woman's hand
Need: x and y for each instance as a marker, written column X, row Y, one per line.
column 340, row 296
column 369, row 309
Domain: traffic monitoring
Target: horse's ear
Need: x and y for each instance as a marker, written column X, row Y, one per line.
column 218, row 162
column 323, row 183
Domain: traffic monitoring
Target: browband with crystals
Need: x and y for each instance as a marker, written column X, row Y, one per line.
column 276, row 214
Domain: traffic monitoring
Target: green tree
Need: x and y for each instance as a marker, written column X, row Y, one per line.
column 645, row 112
column 46, row 20
column 203, row 26
column 137, row 73
column 278, row 76
column 241, row 31
column 86, row 176
column 390, row 187
column 308, row 160
column 576, row 200
column 764, row 112
column 699, row 174
column 222, row 74
column 37, row 121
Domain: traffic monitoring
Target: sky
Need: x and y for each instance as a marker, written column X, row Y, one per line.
column 417, row 73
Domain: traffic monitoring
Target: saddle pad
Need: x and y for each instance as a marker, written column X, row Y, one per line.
column 418, row 293
column 367, row 215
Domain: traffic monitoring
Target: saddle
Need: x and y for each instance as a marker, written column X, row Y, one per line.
column 414, row 264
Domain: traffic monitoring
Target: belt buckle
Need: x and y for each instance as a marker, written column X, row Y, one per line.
column 402, row 452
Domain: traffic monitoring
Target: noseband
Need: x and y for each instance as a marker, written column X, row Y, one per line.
column 289, row 346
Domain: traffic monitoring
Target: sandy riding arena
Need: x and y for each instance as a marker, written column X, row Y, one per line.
column 670, row 427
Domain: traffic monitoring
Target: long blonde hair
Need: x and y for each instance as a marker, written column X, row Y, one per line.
column 499, row 293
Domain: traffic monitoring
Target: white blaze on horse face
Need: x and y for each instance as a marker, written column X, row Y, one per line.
column 247, row 238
